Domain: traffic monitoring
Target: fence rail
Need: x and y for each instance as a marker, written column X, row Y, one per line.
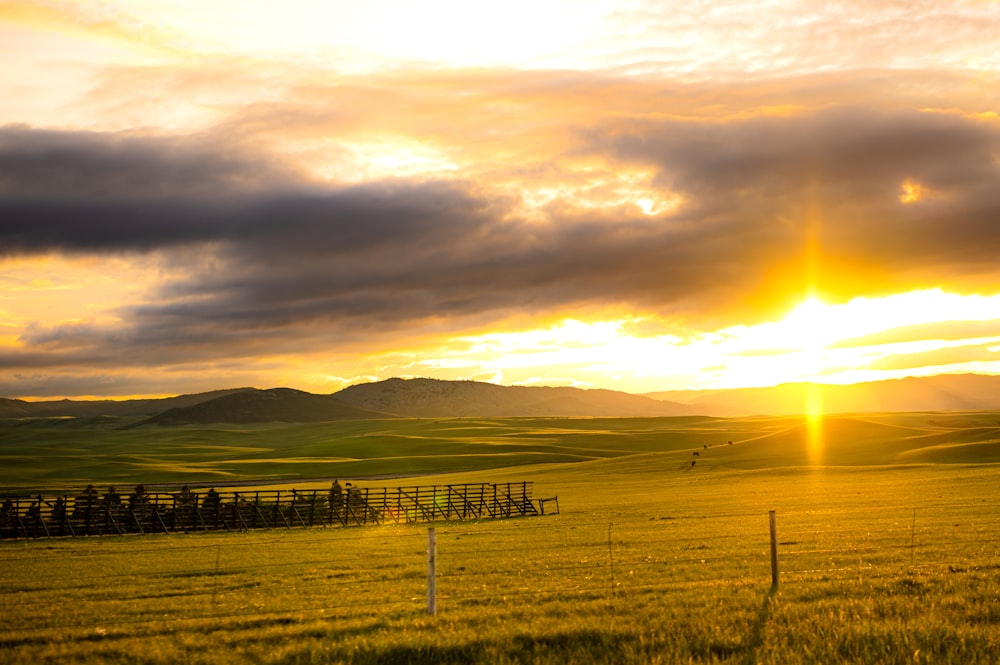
column 91, row 513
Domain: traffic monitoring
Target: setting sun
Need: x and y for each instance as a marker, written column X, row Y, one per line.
column 599, row 194
column 825, row 343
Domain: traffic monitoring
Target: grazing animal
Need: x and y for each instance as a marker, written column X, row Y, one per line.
column 696, row 453
column 693, row 462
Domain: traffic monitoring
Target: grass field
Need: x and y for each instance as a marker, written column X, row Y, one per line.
column 889, row 548
column 70, row 454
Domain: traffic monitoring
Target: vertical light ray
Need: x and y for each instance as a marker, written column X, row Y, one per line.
column 814, row 424
column 814, row 345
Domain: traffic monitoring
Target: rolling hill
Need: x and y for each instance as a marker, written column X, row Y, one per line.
column 948, row 392
column 263, row 406
column 431, row 398
column 410, row 398
column 66, row 408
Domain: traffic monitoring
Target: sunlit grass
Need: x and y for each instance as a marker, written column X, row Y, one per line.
column 69, row 456
column 651, row 560
column 58, row 455
column 646, row 563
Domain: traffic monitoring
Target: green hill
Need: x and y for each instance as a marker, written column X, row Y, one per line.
column 431, row 398
column 263, row 406
column 355, row 444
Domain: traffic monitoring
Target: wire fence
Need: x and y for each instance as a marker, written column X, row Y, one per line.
column 166, row 583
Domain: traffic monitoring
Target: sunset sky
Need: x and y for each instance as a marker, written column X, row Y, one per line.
column 637, row 195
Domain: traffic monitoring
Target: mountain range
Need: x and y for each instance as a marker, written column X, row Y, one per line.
column 945, row 392
column 432, row 398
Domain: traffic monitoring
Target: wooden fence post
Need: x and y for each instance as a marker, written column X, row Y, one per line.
column 431, row 572
column 774, row 549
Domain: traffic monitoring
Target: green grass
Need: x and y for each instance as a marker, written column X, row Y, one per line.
column 650, row 561
column 644, row 564
column 62, row 454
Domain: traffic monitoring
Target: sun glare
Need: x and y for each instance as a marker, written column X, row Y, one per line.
column 861, row 340
column 814, row 423
column 910, row 192
column 807, row 327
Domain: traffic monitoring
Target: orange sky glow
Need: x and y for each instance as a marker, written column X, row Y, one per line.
column 641, row 196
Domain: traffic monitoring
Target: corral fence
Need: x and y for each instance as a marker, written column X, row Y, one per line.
column 92, row 513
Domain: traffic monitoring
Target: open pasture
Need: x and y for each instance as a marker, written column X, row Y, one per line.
column 67, row 454
column 64, row 453
column 651, row 560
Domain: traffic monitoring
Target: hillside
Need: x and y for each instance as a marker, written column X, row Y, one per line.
column 431, row 398
column 263, row 406
column 951, row 392
column 49, row 454
column 412, row 398
column 16, row 408
column 837, row 441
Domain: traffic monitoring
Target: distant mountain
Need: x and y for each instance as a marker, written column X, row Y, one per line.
column 946, row 392
column 16, row 408
column 264, row 406
column 432, row 398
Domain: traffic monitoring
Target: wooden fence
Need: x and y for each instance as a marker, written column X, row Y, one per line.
column 92, row 513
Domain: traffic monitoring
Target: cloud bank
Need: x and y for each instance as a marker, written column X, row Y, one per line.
column 272, row 249
column 689, row 168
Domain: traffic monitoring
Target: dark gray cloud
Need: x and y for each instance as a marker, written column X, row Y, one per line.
column 287, row 252
column 92, row 166
column 836, row 174
column 91, row 192
column 277, row 263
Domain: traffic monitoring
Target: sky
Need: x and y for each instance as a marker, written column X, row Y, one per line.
column 637, row 195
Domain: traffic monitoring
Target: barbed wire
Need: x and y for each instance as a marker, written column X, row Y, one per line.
column 632, row 543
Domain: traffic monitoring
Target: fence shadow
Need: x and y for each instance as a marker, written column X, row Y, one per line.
column 756, row 637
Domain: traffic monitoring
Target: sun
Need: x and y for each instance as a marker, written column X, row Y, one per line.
column 865, row 339
column 827, row 338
